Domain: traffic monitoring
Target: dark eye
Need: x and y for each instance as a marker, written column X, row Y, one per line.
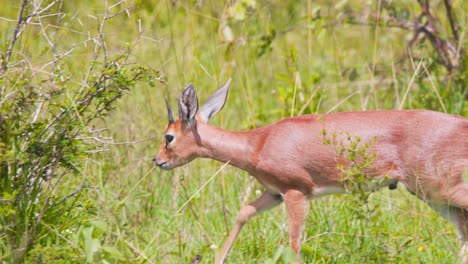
column 169, row 138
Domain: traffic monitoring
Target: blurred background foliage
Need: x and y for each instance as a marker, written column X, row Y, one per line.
column 82, row 87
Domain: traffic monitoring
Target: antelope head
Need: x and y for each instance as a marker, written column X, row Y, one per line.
column 183, row 142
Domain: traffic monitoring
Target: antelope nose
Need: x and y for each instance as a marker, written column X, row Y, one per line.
column 158, row 162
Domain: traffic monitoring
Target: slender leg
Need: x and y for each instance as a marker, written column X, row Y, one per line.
column 459, row 218
column 464, row 253
column 264, row 202
column 458, row 198
column 296, row 206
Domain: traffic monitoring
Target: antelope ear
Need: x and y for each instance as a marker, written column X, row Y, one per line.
column 215, row 103
column 188, row 105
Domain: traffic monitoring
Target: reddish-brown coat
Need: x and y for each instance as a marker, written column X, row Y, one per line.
column 298, row 158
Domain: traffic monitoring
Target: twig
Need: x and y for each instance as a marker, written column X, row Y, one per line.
column 201, row 188
column 453, row 25
column 416, row 71
column 64, row 238
column 430, row 28
column 342, row 101
column 15, row 35
column 138, row 252
column 445, row 48
column 73, row 194
column 97, row 139
column 7, row 19
column 311, row 97
column 434, row 88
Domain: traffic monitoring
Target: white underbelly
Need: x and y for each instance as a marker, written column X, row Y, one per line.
column 367, row 187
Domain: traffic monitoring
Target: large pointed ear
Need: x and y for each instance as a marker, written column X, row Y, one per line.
column 188, row 105
column 215, row 103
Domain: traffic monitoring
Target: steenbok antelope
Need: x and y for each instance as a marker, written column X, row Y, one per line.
column 304, row 157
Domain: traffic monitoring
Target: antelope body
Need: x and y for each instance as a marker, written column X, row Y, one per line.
column 297, row 159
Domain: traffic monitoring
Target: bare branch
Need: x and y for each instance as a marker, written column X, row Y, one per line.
column 451, row 18
column 98, row 139
column 16, row 34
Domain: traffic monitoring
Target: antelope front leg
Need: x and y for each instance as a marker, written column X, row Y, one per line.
column 264, row 202
column 296, row 206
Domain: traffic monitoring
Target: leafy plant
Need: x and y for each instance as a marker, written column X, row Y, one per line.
column 44, row 121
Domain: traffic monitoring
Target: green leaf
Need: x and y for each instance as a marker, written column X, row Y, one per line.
column 238, row 11
column 249, row 3
column 341, row 4
column 91, row 245
column 113, row 252
column 101, row 225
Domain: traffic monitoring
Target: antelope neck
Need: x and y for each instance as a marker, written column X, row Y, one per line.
column 237, row 147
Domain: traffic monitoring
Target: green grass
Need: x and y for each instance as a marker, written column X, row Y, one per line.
column 283, row 59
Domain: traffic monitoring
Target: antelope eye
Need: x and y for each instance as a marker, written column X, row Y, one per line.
column 169, row 138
